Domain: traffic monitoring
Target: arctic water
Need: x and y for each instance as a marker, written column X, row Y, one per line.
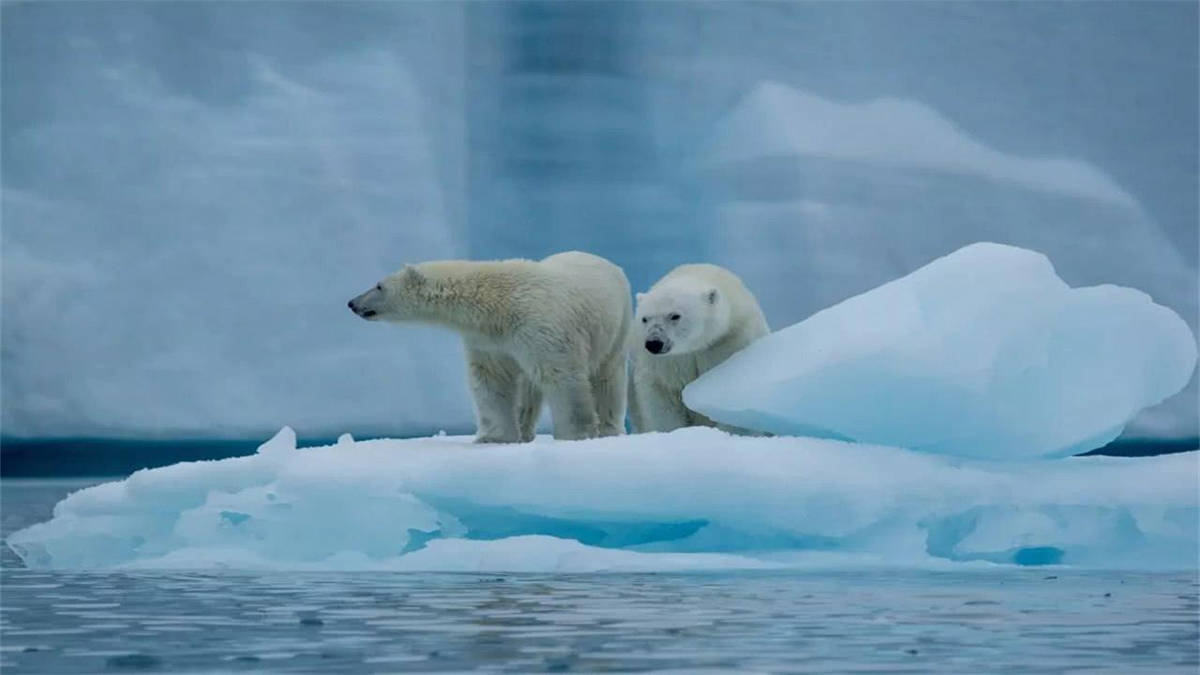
column 993, row 619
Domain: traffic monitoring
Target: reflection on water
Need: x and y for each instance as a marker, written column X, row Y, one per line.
column 993, row 620
column 916, row 621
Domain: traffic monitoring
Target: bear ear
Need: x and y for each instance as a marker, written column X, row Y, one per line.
column 711, row 295
column 641, row 296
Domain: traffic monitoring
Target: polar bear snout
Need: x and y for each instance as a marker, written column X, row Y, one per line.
column 357, row 306
column 656, row 346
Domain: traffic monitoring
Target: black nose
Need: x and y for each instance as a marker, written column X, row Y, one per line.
column 654, row 346
column 351, row 306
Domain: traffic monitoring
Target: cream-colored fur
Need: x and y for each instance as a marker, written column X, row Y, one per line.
column 557, row 327
column 698, row 315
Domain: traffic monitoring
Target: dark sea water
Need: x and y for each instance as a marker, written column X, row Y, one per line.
column 1046, row 620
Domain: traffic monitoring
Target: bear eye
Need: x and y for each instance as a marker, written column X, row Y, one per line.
column 644, row 319
column 379, row 286
column 674, row 317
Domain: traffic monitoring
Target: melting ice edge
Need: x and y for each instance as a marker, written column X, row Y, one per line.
column 693, row 499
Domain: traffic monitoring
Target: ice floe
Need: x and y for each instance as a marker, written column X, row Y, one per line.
column 689, row 500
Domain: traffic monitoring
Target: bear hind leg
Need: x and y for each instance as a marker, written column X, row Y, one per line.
column 608, row 389
column 572, row 408
column 529, row 407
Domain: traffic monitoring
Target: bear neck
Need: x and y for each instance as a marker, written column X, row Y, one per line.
column 475, row 299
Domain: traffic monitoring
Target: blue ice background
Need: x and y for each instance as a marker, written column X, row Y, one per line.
column 191, row 191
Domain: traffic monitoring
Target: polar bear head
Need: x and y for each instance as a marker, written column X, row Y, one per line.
column 398, row 297
column 683, row 318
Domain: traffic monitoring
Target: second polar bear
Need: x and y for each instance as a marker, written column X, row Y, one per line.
column 691, row 320
column 558, row 326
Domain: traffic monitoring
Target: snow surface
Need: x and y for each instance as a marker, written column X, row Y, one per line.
column 696, row 498
column 985, row 352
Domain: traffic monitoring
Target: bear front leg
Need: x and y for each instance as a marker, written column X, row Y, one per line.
column 572, row 408
column 637, row 419
column 493, row 380
column 660, row 409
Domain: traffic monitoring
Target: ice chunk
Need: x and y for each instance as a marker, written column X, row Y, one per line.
column 983, row 353
column 693, row 499
column 284, row 440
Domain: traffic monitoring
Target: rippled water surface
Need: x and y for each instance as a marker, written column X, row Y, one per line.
column 980, row 620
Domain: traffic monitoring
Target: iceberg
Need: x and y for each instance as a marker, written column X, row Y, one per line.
column 984, row 353
column 692, row 499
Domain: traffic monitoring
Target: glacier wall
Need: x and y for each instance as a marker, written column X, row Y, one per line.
column 191, row 191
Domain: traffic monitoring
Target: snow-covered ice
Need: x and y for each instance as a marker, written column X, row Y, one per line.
column 693, row 499
column 985, row 352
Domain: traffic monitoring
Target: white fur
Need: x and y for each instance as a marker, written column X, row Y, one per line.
column 702, row 315
column 557, row 326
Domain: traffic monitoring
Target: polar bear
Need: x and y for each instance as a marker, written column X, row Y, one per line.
column 558, row 326
column 691, row 320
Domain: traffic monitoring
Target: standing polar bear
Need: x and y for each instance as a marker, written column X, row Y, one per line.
column 557, row 326
column 691, row 320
